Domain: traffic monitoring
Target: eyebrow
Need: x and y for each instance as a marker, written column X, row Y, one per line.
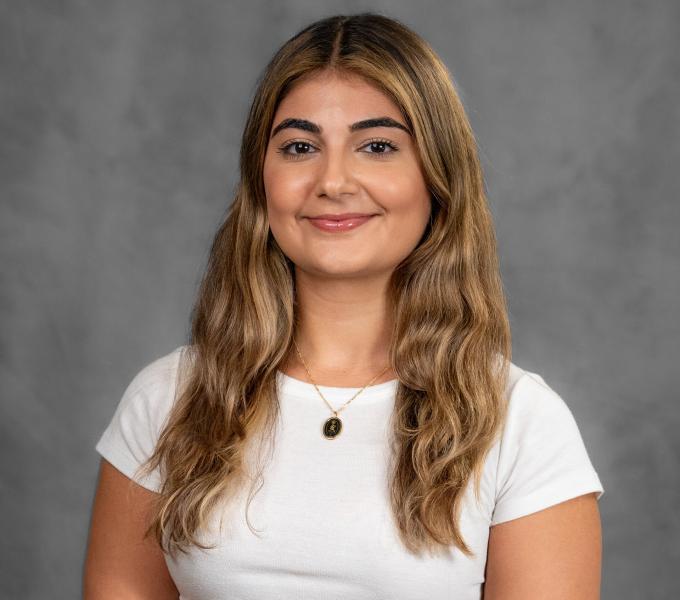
column 306, row 125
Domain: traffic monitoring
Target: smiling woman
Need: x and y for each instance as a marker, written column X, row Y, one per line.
column 356, row 273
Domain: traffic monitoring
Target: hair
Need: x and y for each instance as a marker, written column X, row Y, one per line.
column 450, row 340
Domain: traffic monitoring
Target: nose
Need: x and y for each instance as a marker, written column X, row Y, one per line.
column 337, row 174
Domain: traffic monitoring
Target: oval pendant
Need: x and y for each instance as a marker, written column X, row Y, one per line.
column 332, row 428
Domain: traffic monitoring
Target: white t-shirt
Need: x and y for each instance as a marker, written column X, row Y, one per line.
column 325, row 528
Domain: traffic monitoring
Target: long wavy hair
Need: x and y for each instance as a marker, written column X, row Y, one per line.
column 450, row 345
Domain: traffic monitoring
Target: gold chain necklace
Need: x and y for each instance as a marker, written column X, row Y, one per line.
column 333, row 425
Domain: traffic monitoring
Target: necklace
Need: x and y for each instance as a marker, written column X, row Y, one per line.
column 333, row 425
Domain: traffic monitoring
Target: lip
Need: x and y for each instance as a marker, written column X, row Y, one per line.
column 337, row 224
column 340, row 217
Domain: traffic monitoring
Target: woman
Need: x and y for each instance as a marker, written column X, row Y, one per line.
column 345, row 421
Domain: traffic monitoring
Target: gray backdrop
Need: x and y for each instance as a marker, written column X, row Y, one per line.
column 119, row 137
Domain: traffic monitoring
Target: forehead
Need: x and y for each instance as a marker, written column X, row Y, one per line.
column 329, row 95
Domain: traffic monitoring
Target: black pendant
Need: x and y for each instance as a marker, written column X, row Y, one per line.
column 332, row 428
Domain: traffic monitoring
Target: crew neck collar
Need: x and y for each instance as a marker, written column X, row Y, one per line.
column 301, row 389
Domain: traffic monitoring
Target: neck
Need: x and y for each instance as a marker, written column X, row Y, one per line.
column 343, row 333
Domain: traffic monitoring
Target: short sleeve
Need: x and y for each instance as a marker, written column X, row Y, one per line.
column 542, row 458
column 133, row 431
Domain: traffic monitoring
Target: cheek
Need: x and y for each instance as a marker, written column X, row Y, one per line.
column 279, row 215
column 403, row 194
column 285, row 190
column 406, row 201
column 284, row 203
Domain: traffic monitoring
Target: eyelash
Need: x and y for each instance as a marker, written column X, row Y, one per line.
column 282, row 149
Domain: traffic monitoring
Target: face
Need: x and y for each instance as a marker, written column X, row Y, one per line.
column 323, row 161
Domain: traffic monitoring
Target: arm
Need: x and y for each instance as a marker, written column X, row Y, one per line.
column 119, row 563
column 552, row 554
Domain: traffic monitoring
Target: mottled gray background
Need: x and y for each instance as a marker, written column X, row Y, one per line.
column 119, row 136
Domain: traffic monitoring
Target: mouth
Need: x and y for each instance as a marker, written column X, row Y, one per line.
column 335, row 224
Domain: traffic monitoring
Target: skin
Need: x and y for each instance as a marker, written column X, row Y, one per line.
column 553, row 554
column 341, row 278
column 119, row 563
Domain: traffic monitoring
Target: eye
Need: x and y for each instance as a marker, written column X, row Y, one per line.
column 298, row 145
column 380, row 143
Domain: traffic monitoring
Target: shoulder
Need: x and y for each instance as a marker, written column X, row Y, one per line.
column 541, row 457
column 537, row 416
column 132, row 432
column 150, row 395
column 160, row 372
column 532, row 402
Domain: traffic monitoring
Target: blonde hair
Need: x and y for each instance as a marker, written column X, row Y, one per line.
column 450, row 346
